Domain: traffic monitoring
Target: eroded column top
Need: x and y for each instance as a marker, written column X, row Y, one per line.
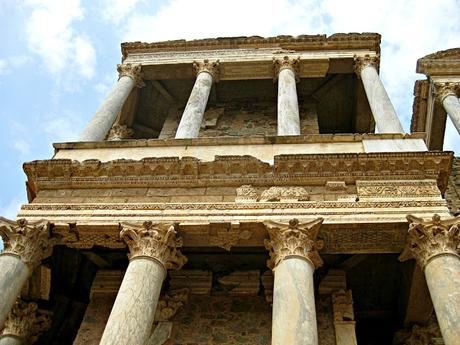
column 211, row 67
column 446, row 89
column 134, row 71
column 286, row 63
column 362, row 62
column 293, row 239
column 157, row 241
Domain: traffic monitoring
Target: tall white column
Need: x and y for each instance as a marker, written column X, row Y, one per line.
column 434, row 245
column 153, row 249
column 382, row 109
column 24, row 324
column 25, row 245
column 286, row 71
column 190, row 123
column 130, row 75
column 446, row 94
column 293, row 258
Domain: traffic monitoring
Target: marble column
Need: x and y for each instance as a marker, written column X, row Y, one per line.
column 153, row 249
column 190, row 123
column 294, row 256
column 446, row 94
column 24, row 324
column 434, row 244
column 382, row 109
column 25, row 245
column 130, row 75
column 286, row 71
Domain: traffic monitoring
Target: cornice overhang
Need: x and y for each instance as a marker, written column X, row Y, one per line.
column 295, row 169
column 339, row 41
column 441, row 63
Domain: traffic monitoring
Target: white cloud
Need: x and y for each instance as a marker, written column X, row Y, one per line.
column 3, row 66
column 9, row 63
column 116, row 10
column 51, row 34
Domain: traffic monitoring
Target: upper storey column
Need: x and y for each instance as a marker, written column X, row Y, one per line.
column 446, row 94
column 190, row 123
column 286, row 71
column 130, row 75
column 154, row 248
column 434, row 245
column 293, row 258
column 383, row 111
column 25, row 245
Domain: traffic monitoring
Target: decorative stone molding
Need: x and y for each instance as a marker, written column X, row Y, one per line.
column 428, row 239
column 293, row 239
column 26, row 321
column 286, row 62
column 246, row 193
column 157, row 241
column 284, row 194
column 443, row 90
column 133, row 71
column 213, row 68
column 342, row 305
column 31, row 241
column 398, row 189
column 225, row 235
column 169, row 304
column 335, row 186
column 120, row 132
column 362, row 62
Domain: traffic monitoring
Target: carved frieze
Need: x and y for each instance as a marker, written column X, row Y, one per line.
column 336, row 186
column 158, row 241
column 398, row 189
column 26, row 322
column 362, row 62
column 120, row 132
column 284, row 194
column 293, row 239
column 31, row 241
column 246, row 193
column 227, row 235
column 430, row 238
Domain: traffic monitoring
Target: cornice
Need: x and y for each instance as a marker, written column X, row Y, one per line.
column 293, row 169
column 339, row 41
column 444, row 62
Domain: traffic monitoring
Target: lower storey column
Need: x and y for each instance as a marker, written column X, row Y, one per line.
column 434, row 245
column 153, row 250
column 293, row 258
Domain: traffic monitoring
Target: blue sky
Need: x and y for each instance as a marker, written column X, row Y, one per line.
column 58, row 57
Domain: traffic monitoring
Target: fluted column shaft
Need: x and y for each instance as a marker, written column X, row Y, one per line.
column 101, row 123
column 382, row 109
column 434, row 245
column 25, row 245
column 448, row 97
column 190, row 123
column 153, row 249
column 293, row 251
column 286, row 71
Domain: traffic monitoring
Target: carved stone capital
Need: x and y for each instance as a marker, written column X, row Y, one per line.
column 428, row 239
column 26, row 321
column 31, row 242
column 286, row 62
column 365, row 61
column 120, row 132
column 293, row 239
column 157, row 241
column 443, row 90
column 131, row 70
column 212, row 67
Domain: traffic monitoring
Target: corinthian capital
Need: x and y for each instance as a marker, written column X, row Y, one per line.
column 293, row 239
column 157, row 241
column 131, row 70
column 446, row 89
column 31, row 242
column 286, row 63
column 120, row 132
column 26, row 322
column 212, row 67
column 365, row 61
column 428, row 239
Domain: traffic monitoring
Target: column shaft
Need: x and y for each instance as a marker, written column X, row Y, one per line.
column 382, row 109
column 190, row 123
column 13, row 275
column 442, row 275
column 452, row 106
column 99, row 126
column 294, row 314
column 133, row 312
column 288, row 106
column 11, row 340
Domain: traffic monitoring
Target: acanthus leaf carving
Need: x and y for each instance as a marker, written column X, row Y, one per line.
column 120, row 132
column 211, row 67
column 293, row 239
column 362, row 62
column 286, row 63
column 446, row 89
column 155, row 240
column 133, row 71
